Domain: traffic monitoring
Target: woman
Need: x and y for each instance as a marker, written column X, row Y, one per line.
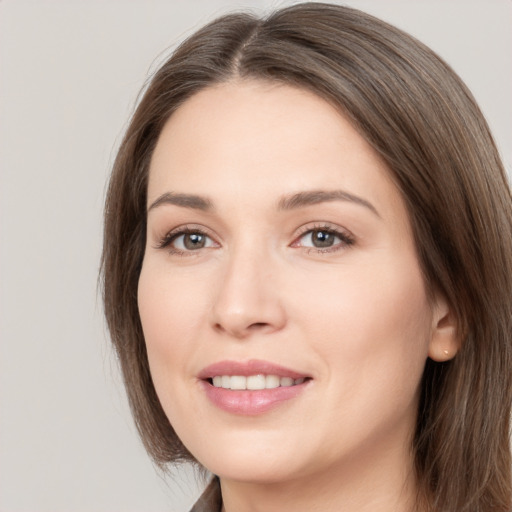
column 307, row 270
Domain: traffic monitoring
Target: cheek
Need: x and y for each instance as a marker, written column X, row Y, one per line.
column 371, row 323
column 370, row 333
column 172, row 313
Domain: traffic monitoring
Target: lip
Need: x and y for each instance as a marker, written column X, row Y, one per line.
column 249, row 402
column 246, row 368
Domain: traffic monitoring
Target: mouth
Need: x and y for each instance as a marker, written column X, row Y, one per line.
column 251, row 387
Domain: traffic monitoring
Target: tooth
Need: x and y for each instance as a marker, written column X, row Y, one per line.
column 256, row 382
column 272, row 381
column 286, row 381
column 238, row 382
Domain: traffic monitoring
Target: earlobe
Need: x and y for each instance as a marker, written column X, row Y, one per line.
column 444, row 343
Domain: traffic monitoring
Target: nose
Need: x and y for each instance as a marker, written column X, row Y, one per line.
column 248, row 298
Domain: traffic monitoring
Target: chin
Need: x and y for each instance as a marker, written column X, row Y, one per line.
column 257, row 471
column 253, row 461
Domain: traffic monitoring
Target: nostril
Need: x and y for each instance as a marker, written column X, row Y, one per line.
column 241, row 331
column 257, row 325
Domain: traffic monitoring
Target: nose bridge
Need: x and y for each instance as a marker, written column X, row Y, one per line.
column 247, row 299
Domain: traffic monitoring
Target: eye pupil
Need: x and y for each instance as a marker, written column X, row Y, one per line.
column 322, row 238
column 194, row 241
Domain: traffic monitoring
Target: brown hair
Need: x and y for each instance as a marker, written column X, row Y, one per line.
column 422, row 120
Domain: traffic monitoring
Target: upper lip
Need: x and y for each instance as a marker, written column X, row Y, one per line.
column 247, row 368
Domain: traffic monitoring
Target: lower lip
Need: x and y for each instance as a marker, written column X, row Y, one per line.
column 250, row 403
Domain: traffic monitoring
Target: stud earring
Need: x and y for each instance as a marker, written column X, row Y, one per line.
column 446, row 352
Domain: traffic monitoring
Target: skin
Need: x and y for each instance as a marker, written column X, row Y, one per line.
column 355, row 318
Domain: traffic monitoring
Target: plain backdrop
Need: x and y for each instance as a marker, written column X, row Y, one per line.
column 70, row 72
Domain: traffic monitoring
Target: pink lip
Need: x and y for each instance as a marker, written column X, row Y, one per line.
column 246, row 368
column 247, row 402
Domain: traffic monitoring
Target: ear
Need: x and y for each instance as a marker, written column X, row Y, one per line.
column 444, row 343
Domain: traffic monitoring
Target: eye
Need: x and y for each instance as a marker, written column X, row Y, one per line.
column 191, row 241
column 324, row 239
column 319, row 238
column 185, row 241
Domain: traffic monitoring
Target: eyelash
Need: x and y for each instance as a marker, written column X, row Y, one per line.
column 169, row 238
column 347, row 239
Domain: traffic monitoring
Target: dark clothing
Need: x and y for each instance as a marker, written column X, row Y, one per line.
column 210, row 500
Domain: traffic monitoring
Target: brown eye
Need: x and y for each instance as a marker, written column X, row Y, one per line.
column 193, row 241
column 321, row 238
column 324, row 239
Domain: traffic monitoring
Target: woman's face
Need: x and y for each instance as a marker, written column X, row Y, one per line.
column 279, row 253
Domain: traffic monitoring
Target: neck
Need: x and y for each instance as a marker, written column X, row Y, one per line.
column 370, row 482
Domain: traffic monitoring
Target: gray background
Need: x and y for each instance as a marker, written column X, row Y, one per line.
column 70, row 72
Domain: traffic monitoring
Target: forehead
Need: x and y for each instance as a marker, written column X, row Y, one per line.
column 263, row 139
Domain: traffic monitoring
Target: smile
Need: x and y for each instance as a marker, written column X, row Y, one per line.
column 251, row 387
column 254, row 382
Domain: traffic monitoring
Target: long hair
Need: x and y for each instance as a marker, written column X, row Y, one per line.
column 424, row 123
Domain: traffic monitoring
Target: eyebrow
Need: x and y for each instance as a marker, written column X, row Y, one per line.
column 291, row 202
column 184, row 200
column 308, row 198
